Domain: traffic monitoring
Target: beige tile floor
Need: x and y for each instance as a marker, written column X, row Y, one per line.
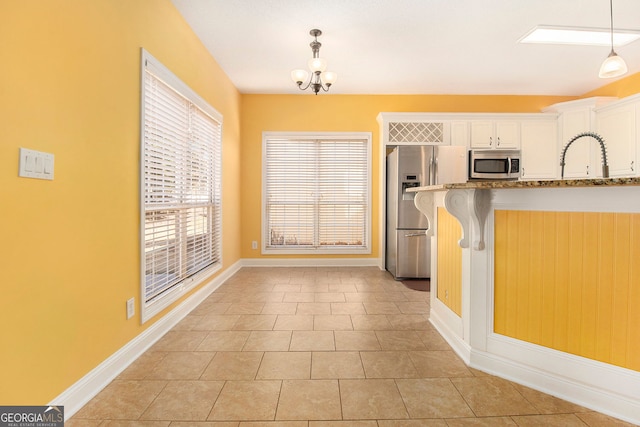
column 316, row 347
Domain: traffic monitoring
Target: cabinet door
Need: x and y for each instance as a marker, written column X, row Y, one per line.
column 539, row 141
column 618, row 129
column 501, row 134
column 460, row 133
column 416, row 133
column 578, row 159
column 482, row 135
column 507, row 135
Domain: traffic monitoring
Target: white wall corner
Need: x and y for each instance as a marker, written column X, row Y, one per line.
column 451, row 335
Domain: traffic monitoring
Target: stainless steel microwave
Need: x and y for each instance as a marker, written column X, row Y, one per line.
column 494, row 164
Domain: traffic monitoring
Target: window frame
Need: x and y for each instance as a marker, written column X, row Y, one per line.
column 149, row 309
column 316, row 250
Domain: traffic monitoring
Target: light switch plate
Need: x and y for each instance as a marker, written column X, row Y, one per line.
column 35, row 164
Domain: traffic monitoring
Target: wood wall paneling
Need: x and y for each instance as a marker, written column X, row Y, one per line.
column 449, row 261
column 570, row 281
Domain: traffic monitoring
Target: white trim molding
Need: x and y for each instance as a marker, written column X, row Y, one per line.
column 311, row 262
column 605, row 388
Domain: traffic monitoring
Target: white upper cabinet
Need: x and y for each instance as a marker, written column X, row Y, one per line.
column 539, row 139
column 579, row 161
column 617, row 125
column 582, row 159
column 460, row 133
column 495, row 134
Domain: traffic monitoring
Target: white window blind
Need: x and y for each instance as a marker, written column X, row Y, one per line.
column 316, row 194
column 181, row 184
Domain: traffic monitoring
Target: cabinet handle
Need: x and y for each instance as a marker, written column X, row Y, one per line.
column 631, row 165
column 523, row 173
column 587, row 169
column 490, row 141
column 498, row 143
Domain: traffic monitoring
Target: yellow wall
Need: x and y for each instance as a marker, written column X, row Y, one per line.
column 627, row 86
column 449, row 261
column 571, row 282
column 70, row 85
column 344, row 113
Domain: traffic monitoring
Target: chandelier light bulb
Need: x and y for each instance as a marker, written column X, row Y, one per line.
column 317, row 64
column 299, row 76
column 328, row 77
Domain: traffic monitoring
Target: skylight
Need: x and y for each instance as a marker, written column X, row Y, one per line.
column 579, row 36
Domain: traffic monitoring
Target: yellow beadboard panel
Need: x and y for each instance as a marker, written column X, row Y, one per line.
column 570, row 281
column 449, row 261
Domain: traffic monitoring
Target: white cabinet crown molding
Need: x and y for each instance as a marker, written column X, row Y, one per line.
column 592, row 102
column 633, row 99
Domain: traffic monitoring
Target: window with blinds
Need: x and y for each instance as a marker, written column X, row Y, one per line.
column 316, row 193
column 181, row 186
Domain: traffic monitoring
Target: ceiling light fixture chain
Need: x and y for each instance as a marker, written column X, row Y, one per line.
column 614, row 65
column 320, row 79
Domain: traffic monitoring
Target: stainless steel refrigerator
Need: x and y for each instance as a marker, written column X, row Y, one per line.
column 408, row 251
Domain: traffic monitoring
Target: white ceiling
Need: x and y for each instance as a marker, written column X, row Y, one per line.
column 410, row 46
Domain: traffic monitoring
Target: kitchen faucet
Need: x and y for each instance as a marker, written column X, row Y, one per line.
column 603, row 148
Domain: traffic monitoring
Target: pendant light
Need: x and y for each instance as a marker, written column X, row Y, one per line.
column 613, row 66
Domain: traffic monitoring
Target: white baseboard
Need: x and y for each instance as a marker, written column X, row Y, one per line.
column 76, row 396
column 458, row 345
column 310, row 262
column 601, row 387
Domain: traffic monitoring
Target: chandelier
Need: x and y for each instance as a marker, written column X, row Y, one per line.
column 320, row 79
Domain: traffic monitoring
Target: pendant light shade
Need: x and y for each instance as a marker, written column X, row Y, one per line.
column 299, row 76
column 317, row 65
column 328, row 78
column 614, row 65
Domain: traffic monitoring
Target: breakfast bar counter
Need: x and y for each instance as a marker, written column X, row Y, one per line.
column 539, row 282
column 558, row 183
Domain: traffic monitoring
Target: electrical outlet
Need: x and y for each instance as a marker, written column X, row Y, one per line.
column 254, row 245
column 131, row 308
column 446, row 294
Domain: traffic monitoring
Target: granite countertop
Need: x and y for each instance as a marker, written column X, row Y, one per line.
column 558, row 183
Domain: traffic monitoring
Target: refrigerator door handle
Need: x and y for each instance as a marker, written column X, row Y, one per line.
column 430, row 180
column 435, row 171
column 422, row 233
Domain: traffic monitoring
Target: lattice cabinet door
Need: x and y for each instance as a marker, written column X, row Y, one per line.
column 419, row 133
